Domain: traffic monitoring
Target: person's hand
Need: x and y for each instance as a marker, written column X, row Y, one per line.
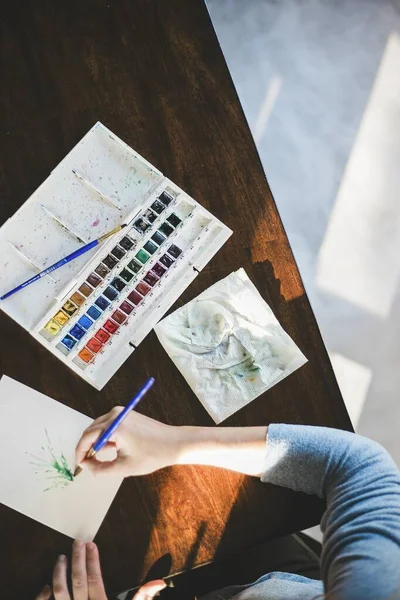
column 142, row 445
column 87, row 582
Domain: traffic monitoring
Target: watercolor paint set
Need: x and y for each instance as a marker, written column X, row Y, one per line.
column 93, row 312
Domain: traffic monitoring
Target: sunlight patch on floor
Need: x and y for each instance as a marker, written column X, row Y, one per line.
column 359, row 257
column 266, row 109
column 354, row 380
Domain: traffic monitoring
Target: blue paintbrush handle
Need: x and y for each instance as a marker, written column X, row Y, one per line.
column 103, row 439
column 48, row 270
column 63, row 261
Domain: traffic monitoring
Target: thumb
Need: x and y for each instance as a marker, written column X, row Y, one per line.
column 89, row 437
column 150, row 589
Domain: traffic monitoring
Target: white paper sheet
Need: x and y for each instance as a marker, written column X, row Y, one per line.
column 30, row 422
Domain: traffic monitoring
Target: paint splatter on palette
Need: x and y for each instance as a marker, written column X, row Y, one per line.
column 94, row 312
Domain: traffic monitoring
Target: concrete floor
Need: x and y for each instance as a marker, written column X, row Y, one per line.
column 319, row 81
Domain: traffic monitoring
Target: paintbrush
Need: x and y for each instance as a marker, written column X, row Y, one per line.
column 62, row 261
column 61, row 224
column 105, row 436
column 28, row 260
column 95, row 189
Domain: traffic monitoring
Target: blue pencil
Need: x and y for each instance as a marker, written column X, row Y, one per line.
column 103, row 439
column 61, row 262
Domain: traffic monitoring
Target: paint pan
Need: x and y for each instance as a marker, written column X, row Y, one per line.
column 101, row 306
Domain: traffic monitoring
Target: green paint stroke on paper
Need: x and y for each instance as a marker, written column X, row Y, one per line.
column 54, row 469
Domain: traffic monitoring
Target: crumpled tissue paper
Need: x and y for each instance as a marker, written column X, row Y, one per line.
column 228, row 345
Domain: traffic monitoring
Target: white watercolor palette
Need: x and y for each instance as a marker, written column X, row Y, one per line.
column 93, row 312
column 36, row 431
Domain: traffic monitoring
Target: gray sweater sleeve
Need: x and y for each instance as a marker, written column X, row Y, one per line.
column 361, row 524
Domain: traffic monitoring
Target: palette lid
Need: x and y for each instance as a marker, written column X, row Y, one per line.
column 100, row 184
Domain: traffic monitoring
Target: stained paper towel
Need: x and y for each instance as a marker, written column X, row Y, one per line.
column 228, row 345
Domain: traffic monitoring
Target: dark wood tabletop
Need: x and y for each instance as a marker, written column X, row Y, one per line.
column 153, row 72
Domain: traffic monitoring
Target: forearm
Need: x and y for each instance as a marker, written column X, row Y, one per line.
column 239, row 449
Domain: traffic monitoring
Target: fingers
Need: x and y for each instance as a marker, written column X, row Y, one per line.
column 45, row 594
column 98, row 467
column 79, row 577
column 60, row 587
column 90, row 436
column 150, row 590
column 92, row 433
column 94, row 578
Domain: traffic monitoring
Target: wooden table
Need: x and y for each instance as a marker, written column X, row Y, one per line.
column 153, row 72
